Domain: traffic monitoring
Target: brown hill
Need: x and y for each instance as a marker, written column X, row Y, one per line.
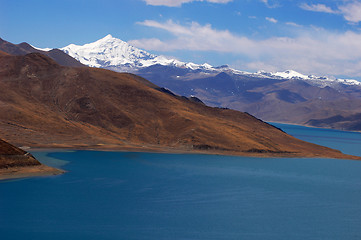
column 24, row 48
column 43, row 104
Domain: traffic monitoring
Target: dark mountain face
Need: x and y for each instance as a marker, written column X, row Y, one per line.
column 8, row 149
column 24, row 48
column 349, row 122
column 288, row 96
column 46, row 105
column 282, row 100
column 12, row 48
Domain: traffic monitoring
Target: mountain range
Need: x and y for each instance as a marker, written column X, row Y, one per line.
column 44, row 104
column 288, row 97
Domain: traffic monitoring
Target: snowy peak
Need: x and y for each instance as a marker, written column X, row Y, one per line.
column 115, row 54
column 108, row 52
column 109, row 36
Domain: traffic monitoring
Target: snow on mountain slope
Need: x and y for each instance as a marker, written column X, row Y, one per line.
column 311, row 79
column 289, row 74
column 115, row 54
column 42, row 49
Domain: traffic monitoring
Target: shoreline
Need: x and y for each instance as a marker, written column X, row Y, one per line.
column 310, row 126
column 43, row 170
column 27, row 172
column 157, row 149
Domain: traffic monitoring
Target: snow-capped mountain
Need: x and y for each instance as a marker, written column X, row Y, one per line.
column 113, row 53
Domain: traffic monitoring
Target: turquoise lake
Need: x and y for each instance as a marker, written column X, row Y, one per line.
column 152, row 196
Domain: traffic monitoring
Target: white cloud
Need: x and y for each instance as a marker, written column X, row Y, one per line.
column 178, row 3
column 272, row 20
column 351, row 11
column 317, row 8
column 315, row 51
column 293, row 24
column 191, row 37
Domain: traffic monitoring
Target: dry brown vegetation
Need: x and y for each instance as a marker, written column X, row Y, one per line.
column 43, row 104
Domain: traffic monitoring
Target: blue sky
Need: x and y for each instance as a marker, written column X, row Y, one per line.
column 312, row 37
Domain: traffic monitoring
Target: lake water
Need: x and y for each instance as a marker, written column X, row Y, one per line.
column 151, row 196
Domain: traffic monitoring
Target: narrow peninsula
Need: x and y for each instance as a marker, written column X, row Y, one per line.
column 17, row 163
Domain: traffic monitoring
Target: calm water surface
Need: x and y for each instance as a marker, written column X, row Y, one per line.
column 112, row 195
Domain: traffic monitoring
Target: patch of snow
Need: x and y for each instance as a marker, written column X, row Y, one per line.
column 42, row 49
column 289, row 74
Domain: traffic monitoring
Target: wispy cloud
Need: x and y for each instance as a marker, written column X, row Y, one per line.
column 315, row 51
column 178, row 3
column 271, row 3
column 190, row 37
column 293, row 24
column 351, row 10
column 272, row 20
column 317, row 8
